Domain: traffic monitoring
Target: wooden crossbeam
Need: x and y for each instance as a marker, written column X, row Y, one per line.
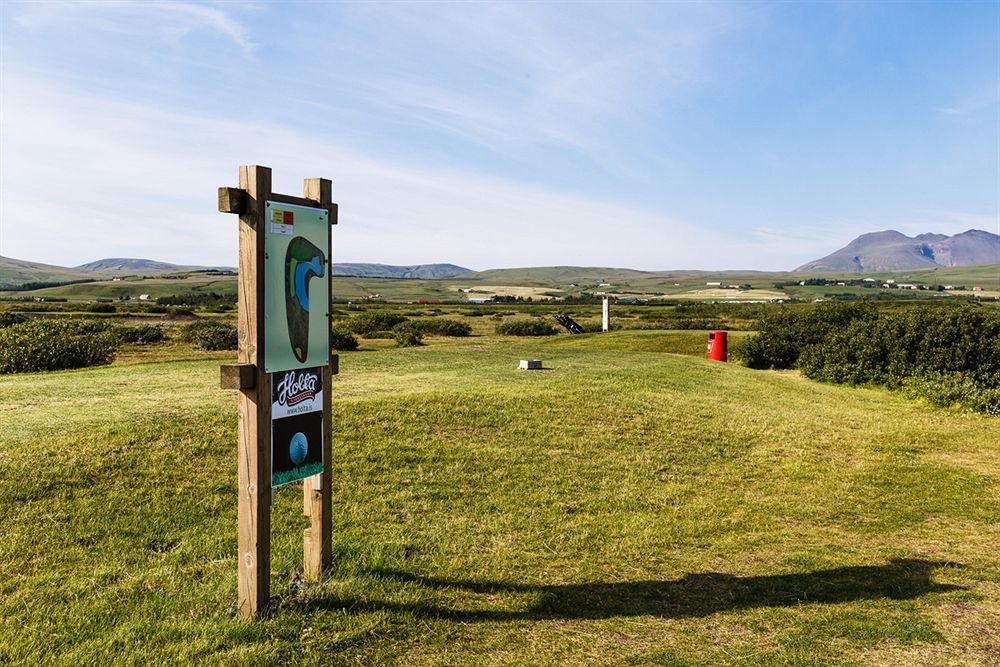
column 237, row 376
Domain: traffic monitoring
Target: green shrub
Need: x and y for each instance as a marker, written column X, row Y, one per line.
column 785, row 333
column 956, row 389
column 893, row 347
column 217, row 336
column 188, row 332
column 9, row 319
column 374, row 320
column 532, row 327
column 342, row 340
column 142, row 334
column 50, row 345
column 442, row 327
column 948, row 356
column 379, row 335
column 210, row 335
column 407, row 335
column 101, row 308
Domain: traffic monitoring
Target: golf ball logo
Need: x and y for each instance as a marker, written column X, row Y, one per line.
column 298, row 448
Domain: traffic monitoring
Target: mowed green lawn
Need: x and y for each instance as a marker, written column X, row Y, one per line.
column 626, row 506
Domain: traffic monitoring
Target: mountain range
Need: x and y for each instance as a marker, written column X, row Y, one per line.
column 894, row 251
column 888, row 250
column 16, row 272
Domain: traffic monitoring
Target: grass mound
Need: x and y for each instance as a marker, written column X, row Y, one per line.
column 624, row 507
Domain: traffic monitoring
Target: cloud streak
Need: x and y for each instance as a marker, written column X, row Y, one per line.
column 169, row 21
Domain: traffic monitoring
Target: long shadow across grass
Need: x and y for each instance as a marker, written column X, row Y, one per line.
column 694, row 595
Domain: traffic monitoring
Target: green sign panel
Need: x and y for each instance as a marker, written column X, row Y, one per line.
column 296, row 287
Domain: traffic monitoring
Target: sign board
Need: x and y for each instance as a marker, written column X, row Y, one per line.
column 296, row 425
column 296, row 287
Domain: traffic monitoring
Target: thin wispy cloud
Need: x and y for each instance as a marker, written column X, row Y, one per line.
column 168, row 21
column 983, row 98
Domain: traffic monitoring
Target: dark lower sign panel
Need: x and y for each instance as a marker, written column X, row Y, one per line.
column 296, row 425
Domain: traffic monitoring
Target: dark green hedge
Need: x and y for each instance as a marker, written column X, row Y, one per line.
column 442, row 327
column 949, row 356
column 52, row 345
column 533, row 327
column 342, row 340
column 374, row 320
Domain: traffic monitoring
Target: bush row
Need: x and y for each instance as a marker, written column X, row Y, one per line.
column 374, row 323
column 949, row 356
column 532, row 327
column 51, row 345
column 210, row 335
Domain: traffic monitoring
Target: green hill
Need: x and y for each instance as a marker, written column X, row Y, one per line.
column 16, row 272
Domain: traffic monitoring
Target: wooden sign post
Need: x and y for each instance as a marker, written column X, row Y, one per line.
column 263, row 212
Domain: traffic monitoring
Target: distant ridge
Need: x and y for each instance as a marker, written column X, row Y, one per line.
column 143, row 266
column 894, row 251
column 15, row 272
column 421, row 271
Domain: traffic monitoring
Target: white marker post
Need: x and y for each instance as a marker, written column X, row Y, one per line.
column 606, row 323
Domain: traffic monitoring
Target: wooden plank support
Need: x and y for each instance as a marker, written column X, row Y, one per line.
column 232, row 200
column 334, row 364
column 237, row 376
column 317, row 495
column 254, row 441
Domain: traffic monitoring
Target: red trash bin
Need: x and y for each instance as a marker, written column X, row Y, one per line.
column 717, row 346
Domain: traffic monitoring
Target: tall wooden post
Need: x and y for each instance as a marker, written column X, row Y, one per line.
column 254, row 384
column 316, row 492
column 254, row 440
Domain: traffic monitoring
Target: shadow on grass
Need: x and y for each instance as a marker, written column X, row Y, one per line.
column 694, row 595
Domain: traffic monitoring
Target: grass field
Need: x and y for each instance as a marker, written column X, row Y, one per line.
column 633, row 504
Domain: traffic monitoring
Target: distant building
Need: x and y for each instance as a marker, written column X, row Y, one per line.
column 713, row 284
column 145, row 297
column 977, row 288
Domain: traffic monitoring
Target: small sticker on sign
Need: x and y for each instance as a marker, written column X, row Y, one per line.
column 282, row 222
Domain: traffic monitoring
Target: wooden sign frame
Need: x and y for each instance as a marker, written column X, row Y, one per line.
column 254, row 387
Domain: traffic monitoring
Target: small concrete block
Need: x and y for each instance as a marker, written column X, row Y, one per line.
column 531, row 364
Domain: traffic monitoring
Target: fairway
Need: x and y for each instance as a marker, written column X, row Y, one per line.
column 628, row 505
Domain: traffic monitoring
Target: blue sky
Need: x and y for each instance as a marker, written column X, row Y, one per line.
column 651, row 136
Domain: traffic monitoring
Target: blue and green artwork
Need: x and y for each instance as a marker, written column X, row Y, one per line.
column 296, row 287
